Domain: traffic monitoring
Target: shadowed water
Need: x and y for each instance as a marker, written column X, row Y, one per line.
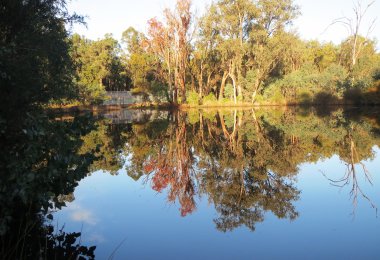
column 217, row 184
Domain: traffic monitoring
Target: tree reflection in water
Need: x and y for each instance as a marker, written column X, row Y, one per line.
column 40, row 168
column 244, row 162
column 354, row 166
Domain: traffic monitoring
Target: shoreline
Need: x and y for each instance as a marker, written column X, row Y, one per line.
column 168, row 106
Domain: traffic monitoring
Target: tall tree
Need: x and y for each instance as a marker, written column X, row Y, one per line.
column 98, row 67
column 170, row 42
column 354, row 27
column 35, row 66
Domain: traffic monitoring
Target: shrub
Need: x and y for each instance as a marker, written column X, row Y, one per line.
column 304, row 79
column 210, row 99
column 273, row 95
column 259, row 99
column 325, row 98
column 192, row 98
column 229, row 91
column 93, row 94
column 353, row 95
column 332, row 78
column 376, row 74
column 304, row 97
column 193, row 116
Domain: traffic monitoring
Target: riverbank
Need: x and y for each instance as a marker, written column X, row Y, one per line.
column 169, row 106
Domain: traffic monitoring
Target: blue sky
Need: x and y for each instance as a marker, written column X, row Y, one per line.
column 114, row 16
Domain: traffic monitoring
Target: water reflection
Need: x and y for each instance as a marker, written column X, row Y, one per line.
column 40, row 168
column 244, row 162
column 354, row 167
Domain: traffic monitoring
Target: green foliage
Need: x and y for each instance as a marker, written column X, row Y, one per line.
column 92, row 94
column 209, row 100
column 321, row 55
column 376, row 74
column 133, row 40
column 273, row 95
column 158, row 90
column 292, row 84
column 192, row 98
column 229, row 92
column 193, row 116
column 332, row 79
column 308, row 85
column 35, row 66
column 98, row 67
column 227, row 151
column 39, row 164
column 247, row 82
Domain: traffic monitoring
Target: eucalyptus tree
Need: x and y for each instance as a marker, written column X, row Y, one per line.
column 233, row 22
column 169, row 41
column 354, row 27
column 266, row 39
column 366, row 62
column 248, row 38
column 134, row 41
column 140, row 63
column 159, row 44
column 208, row 64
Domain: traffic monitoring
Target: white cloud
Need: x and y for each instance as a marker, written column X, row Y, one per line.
column 80, row 214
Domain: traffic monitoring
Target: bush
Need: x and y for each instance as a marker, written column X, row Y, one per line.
column 376, row 74
column 229, row 91
column 158, row 91
column 304, row 79
column 273, row 95
column 353, row 95
column 193, row 116
column 259, row 99
column 332, row 79
column 93, row 94
column 304, row 97
column 226, row 101
column 325, row 98
column 210, row 99
column 192, row 98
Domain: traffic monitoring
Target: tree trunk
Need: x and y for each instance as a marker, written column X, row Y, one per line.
column 200, row 82
column 222, row 85
column 239, row 90
column 256, row 87
column 234, row 85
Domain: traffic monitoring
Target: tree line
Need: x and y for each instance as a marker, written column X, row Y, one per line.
column 243, row 161
column 237, row 52
column 244, row 51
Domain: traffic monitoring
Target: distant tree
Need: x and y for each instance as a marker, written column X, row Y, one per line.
column 139, row 61
column 98, row 67
column 354, row 27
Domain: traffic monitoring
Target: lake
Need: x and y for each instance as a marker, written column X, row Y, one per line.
column 274, row 183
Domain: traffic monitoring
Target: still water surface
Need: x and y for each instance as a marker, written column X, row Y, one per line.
column 229, row 184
